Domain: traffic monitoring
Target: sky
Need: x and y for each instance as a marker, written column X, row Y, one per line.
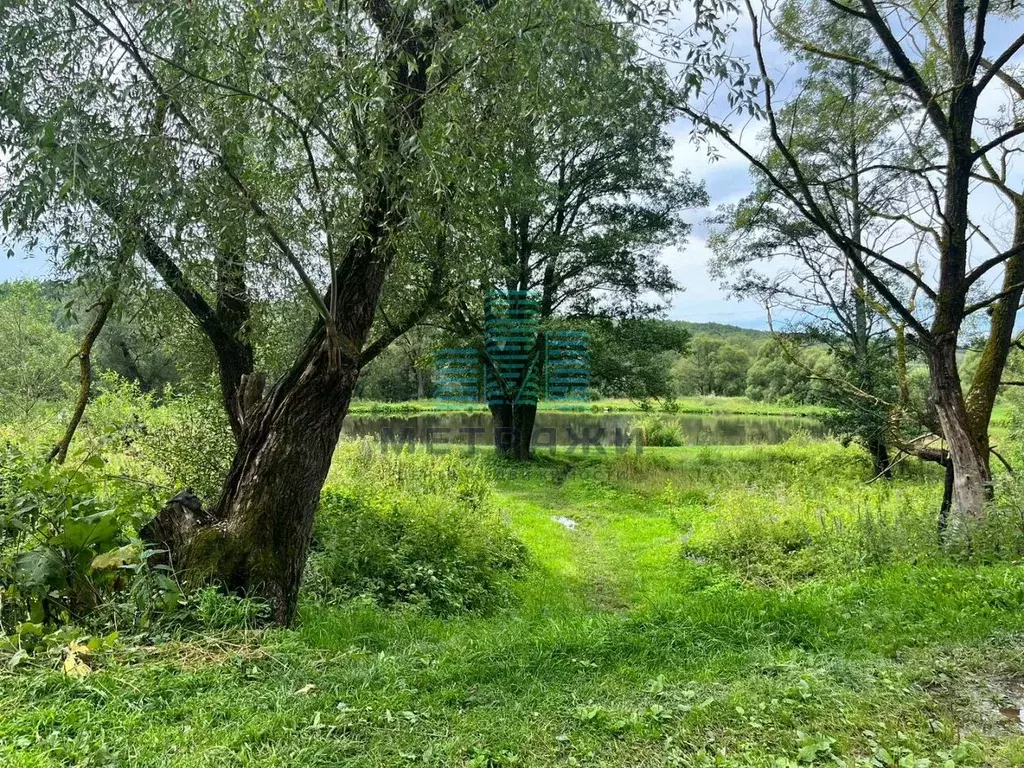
column 727, row 180
column 22, row 265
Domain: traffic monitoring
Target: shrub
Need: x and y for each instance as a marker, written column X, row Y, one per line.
column 66, row 539
column 184, row 442
column 823, row 520
column 657, row 431
column 999, row 536
column 413, row 528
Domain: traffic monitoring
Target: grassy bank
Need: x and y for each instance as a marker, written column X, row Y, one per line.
column 702, row 405
column 692, row 606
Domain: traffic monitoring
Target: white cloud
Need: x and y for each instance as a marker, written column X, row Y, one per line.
column 703, row 299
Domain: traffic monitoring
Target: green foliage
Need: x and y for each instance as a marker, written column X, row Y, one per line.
column 34, row 350
column 183, row 442
column 585, row 193
column 785, row 374
column 999, row 536
column 658, row 431
column 855, row 413
column 712, row 366
column 68, row 552
column 796, row 258
column 148, row 339
column 748, row 339
column 66, row 541
column 632, row 358
column 403, row 371
column 783, row 543
column 825, row 522
column 413, row 528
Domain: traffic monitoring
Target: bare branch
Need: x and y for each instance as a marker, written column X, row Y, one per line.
column 993, row 68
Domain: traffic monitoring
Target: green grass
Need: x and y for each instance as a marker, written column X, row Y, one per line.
column 654, row 633
column 704, row 405
column 1002, row 414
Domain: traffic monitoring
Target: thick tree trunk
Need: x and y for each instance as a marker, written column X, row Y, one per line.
column 501, row 422
column 273, row 489
column 988, row 376
column 513, row 430
column 256, row 540
column 968, row 452
column 525, row 418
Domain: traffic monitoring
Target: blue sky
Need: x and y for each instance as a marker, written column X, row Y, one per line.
column 702, row 300
column 22, row 266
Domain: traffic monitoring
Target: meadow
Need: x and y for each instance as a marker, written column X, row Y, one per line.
column 726, row 606
column 224, row 222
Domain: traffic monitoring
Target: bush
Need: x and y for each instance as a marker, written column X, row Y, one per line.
column 67, row 541
column 822, row 520
column 412, row 528
column 182, row 443
column 999, row 536
column 34, row 351
column 658, row 431
column 167, row 441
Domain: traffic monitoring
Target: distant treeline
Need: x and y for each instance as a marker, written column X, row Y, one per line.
column 40, row 325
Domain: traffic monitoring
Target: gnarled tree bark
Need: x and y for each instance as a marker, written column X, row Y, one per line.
column 257, row 538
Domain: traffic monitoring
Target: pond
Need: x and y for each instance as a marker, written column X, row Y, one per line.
column 579, row 428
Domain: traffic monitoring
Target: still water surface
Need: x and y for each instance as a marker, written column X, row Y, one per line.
column 565, row 428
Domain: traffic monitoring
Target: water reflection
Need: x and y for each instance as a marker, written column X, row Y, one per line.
column 580, row 428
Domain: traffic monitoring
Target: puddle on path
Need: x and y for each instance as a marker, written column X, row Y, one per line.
column 1013, row 715
column 1012, row 709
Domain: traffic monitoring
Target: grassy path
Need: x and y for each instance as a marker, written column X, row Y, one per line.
column 618, row 552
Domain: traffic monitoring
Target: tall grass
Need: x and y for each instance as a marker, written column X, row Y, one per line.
column 658, row 431
column 412, row 527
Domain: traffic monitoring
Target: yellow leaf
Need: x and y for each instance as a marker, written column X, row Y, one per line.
column 306, row 688
column 74, row 666
column 115, row 558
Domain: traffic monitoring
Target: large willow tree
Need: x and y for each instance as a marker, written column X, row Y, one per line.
column 242, row 150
